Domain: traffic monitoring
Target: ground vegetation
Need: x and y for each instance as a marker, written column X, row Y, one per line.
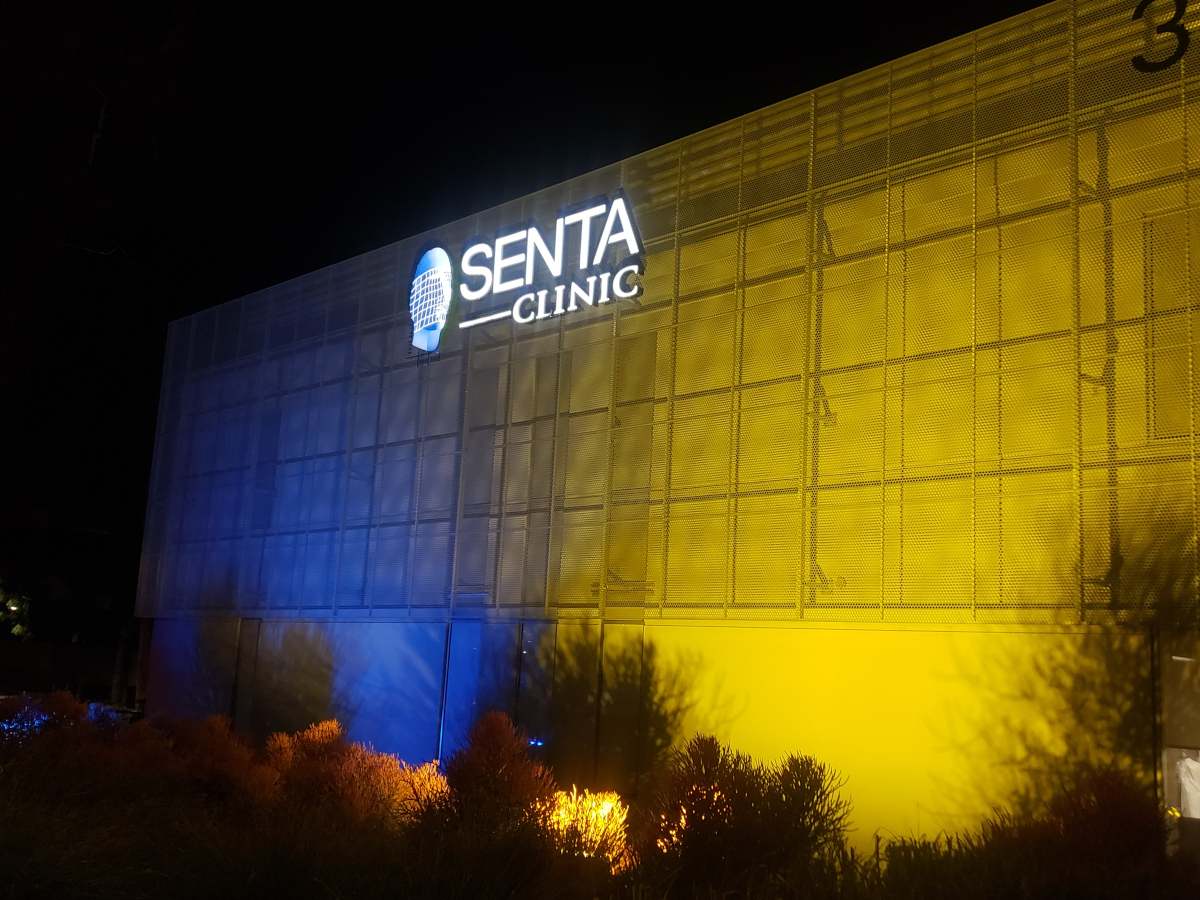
column 97, row 806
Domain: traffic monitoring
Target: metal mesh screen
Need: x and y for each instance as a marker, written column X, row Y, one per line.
column 914, row 347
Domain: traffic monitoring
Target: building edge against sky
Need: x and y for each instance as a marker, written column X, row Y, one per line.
column 863, row 425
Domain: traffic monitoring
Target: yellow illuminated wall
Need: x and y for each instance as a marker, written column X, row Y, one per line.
column 952, row 386
column 933, row 729
column 916, row 347
column 899, row 435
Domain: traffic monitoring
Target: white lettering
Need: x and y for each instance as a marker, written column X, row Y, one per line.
column 584, row 218
column 502, row 262
column 516, row 310
column 471, row 270
column 577, row 292
column 634, row 288
column 485, row 267
column 554, row 263
column 607, row 236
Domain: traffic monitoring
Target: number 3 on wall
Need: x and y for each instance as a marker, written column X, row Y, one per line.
column 1174, row 26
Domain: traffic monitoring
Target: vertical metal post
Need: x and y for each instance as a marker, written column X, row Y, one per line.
column 348, row 464
column 1076, row 312
column 464, row 422
column 732, row 488
column 974, row 327
column 819, row 405
column 903, row 381
column 445, row 685
column 516, row 704
column 373, row 515
column 670, row 424
column 1108, row 379
column 1192, row 309
column 803, row 569
column 1156, row 698
column 599, row 705
column 610, row 425
column 500, row 492
column 553, row 547
column 887, row 319
column 418, row 470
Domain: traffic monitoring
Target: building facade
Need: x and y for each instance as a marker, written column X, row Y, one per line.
column 852, row 426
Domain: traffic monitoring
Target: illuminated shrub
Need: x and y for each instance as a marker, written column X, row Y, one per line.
column 588, row 824
column 109, row 809
column 720, row 820
column 420, row 789
column 489, row 835
column 319, row 764
column 492, row 778
column 20, row 719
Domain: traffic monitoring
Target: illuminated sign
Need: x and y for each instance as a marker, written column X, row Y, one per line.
column 429, row 299
column 589, row 257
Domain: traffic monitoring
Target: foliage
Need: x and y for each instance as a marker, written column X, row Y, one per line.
column 589, row 824
column 14, row 613
column 493, row 777
column 1087, row 703
column 488, row 835
column 721, row 820
column 182, row 808
column 190, row 809
column 1103, row 838
column 647, row 695
column 318, row 765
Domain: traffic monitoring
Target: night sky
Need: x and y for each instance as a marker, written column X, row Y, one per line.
column 163, row 157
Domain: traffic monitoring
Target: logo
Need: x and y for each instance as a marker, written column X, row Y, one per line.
column 429, row 299
column 590, row 258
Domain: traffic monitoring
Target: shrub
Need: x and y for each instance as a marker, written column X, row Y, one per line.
column 206, row 753
column 420, row 789
column 720, row 821
column 319, row 765
column 1101, row 838
column 188, row 808
column 590, row 825
column 492, row 778
column 494, row 834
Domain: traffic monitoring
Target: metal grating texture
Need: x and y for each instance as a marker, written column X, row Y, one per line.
column 917, row 346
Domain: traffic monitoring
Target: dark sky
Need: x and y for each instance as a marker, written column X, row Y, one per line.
column 162, row 157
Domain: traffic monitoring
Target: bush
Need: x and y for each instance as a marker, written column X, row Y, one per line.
column 489, row 835
column 720, row 821
column 98, row 808
column 492, row 778
column 1102, row 838
column 319, row 766
column 189, row 808
column 588, row 825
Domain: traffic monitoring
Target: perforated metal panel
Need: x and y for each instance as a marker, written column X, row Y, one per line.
column 917, row 346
